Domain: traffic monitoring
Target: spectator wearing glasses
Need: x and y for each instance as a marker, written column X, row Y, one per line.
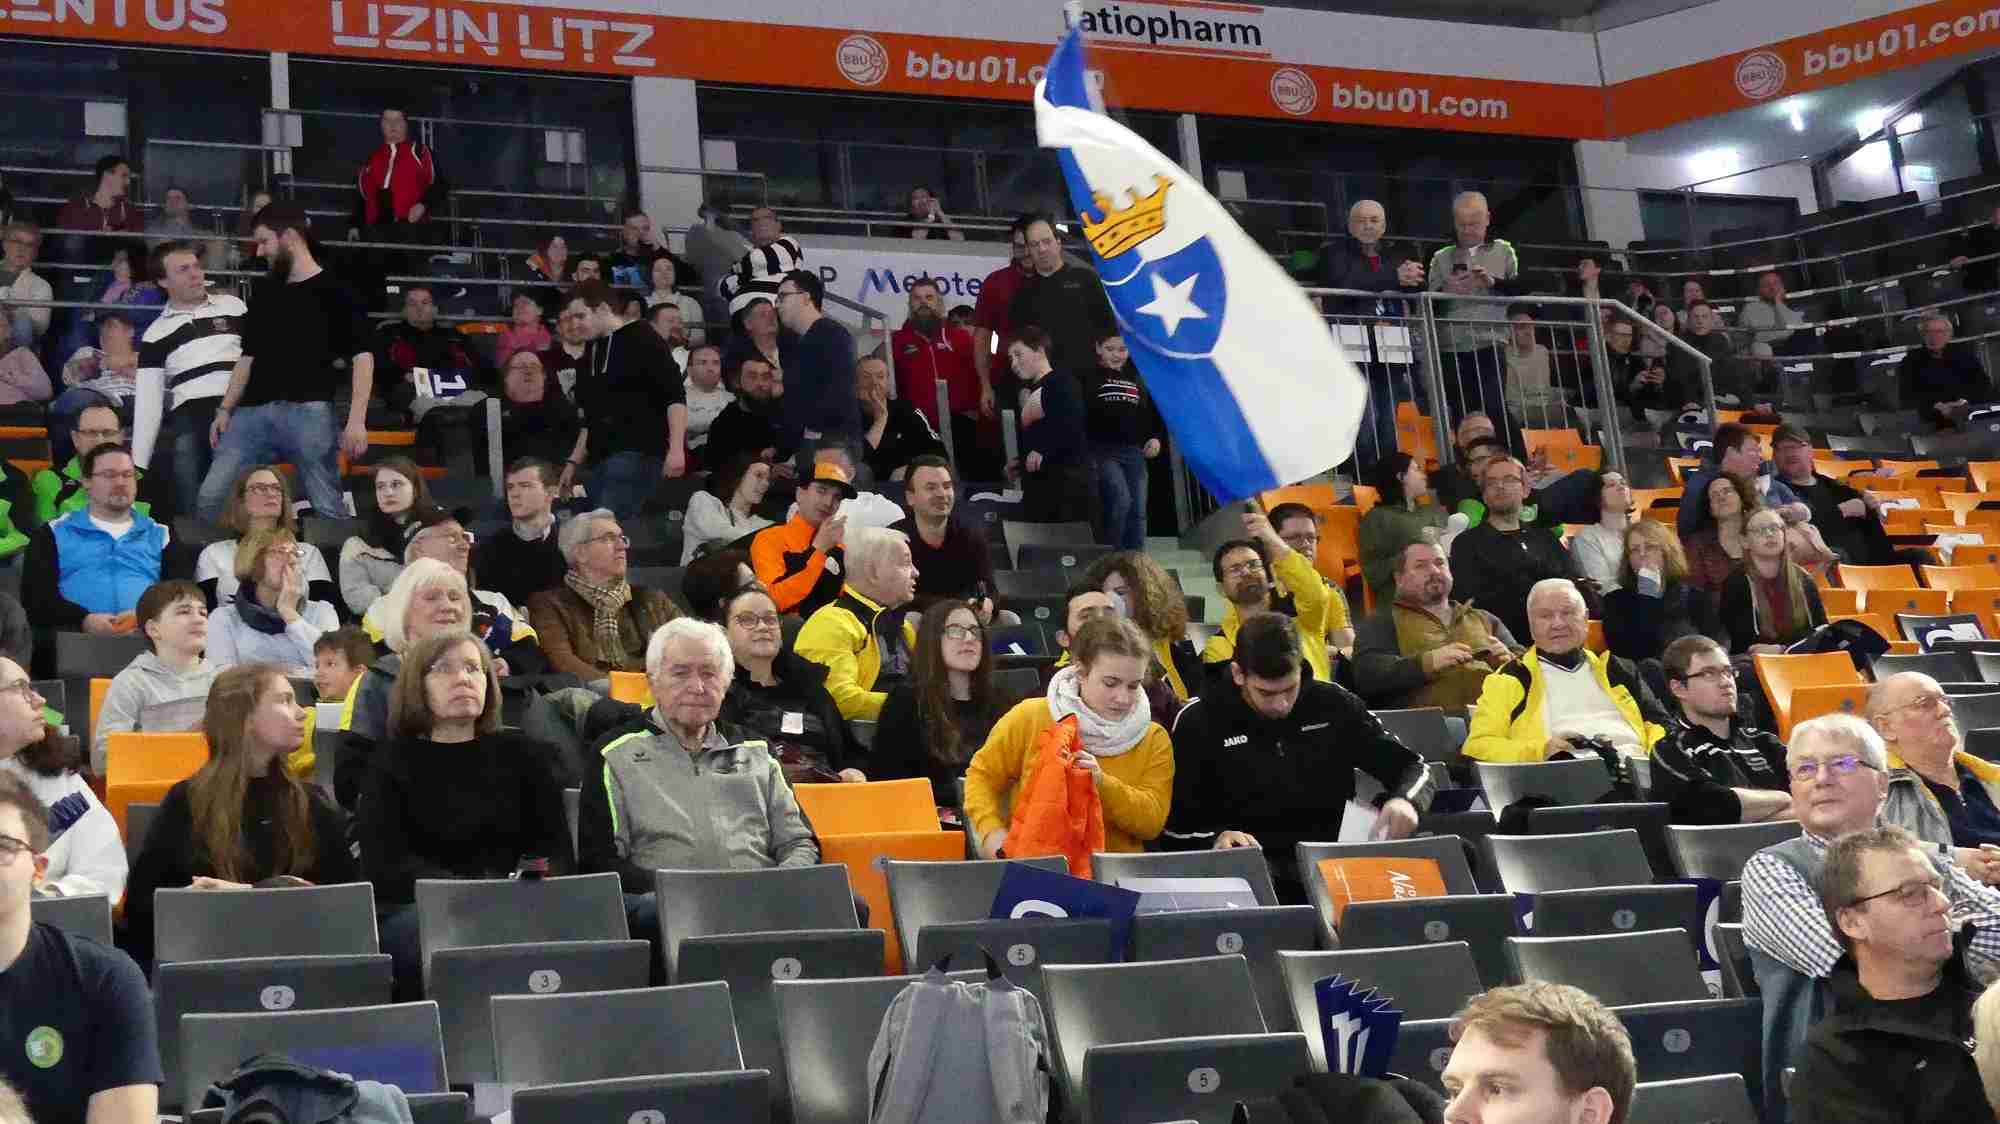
column 1298, row 526
column 80, row 846
column 173, row 617
column 87, row 569
column 271, row 620
column 503, row 628
column 1769, row 602
column 818, row 355
column 1941, row 794
column 429, row 598
column 452, row 795
column 1496, row 563
column 781, row 697
column 1246, row 570
column 1839, row 777
column 261, row 501
column 1893, row 1045
column 243, row 820
column 1710, row 768
column 91, row 1054
column 932, row 725
column 22, row 324
column 595, row 622
column 865, row 635
column 59, row 493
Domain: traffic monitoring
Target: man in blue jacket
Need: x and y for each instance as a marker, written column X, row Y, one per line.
column 86, row 569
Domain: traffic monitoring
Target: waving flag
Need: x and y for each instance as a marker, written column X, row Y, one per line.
column 1247, row 375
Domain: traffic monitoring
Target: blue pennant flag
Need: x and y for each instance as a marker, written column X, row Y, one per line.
column 1249, row 379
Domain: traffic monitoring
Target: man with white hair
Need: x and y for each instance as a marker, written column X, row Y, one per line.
column 679, row 790
column 1363, row 260
column 595, row 623
column 863, row 635
column 1941, row 794
column 1940, row 382
column 1839, row 776
column 1474, row 265
column 1559, row 696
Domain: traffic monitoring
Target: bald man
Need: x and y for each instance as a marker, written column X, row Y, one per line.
column 1474, row 265
column 1363, row 260
column 1945, row 796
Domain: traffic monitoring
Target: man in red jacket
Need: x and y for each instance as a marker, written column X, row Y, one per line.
column 928, row 348
column 395, row 191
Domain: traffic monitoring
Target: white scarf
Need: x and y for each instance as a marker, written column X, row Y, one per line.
column 1101, row 737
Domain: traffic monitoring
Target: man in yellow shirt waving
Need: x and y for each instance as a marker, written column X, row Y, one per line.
column 1245, row 570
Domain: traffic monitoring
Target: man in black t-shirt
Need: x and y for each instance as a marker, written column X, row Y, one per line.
column 76, row 1021
column 634, row 404
column 303, row 324
column 1064, row 299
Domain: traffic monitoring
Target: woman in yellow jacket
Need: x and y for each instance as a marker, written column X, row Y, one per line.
column 1129, row 754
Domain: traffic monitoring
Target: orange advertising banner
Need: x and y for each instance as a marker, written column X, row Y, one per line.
column 1197, row 63
column 1827, row 58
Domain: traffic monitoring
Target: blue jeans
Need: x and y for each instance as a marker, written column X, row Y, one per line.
column 625, row 481
column 184, row 441
column 1121, row 477
column 302, row 433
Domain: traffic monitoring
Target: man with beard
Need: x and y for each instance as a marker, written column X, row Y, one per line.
column 1423, row 648
column 750, row 424
column 1495, row 564
column 1849, row 520
column 279, row 404
column 1244, row 570
column 929, row 348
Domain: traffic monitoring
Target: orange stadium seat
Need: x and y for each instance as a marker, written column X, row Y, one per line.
column 1893, row 600
column 1839, row 602
column 139, row 768
column 1823, row 674
column 860, row 825
column 1961, row 577
column 1876, row 577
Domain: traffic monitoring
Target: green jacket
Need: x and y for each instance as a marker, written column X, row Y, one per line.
column 59, row 495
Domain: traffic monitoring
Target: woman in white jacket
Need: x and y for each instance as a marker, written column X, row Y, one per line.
column 173, row 617
column 85, row 855
column 726, row 510
column 271, row 621
column 261, row 500
column 371, row 560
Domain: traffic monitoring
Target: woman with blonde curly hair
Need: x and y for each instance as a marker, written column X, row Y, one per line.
column 1150, row 597
column 1655, row 604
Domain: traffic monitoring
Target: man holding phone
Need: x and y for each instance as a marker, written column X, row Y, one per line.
column 1474, row 266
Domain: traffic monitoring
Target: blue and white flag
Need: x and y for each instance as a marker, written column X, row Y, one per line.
column 1248, row 377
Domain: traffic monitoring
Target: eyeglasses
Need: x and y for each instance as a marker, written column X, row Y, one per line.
column 1242, row 569
column 23, row 688
column 10, row 847
column 1298, row 542
column 263, row 489
column 1764, row 531
column 1929, row 700
column 608, row 536
column 288, row 553
column 1713, row 675
column 1910, row 895
column 101, row 434
column 963, row 632
column 784, row 294
column 1842, row 766
column 756, row 622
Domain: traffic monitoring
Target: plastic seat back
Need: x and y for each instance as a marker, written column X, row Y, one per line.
column 659, row 1030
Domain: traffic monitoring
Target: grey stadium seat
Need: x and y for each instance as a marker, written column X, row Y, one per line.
column 686, row 1029
column 1020, row 946
column 1424, row 730
column 301, row 921
column 281, row 983
column 1616, row 909
column 1604, row 965
column 1719, row 851
column 1426, row 982
column 1445, row 850
column 1529, row 864
column 1246, row 863
column 1697, row 1038
column 1482, row 921
column 1583, row 780
column 730, row 1097
column 396, row 1044
column 1259, row 935
column 929, row 893
column 471, row 912
column 1648, row 818
column 464, row 981
column 86, row 915
column 1720, row 1098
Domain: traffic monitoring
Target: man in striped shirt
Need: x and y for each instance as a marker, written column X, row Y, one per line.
column 185, row 359
column 763, row 267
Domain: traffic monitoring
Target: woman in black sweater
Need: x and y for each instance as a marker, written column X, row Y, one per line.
column 783, row 699
column 1124, row 430
column 451, row 795
column 1654, row 604
column 931, row 726
column 1056, row 472
column 242, row 820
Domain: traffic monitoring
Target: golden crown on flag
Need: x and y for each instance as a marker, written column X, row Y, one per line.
column 1125, row 227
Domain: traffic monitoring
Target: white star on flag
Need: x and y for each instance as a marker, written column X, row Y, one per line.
column 1173, row 304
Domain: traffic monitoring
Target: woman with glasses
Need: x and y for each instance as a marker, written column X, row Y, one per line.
column 933, row 724
column 1770, row 602
column 596, row 622
column 274, row 622
column 782, row 697
column 428, row 599
column 371, row 560
column 261, row 501
column 243, row 819
column 85, row 855
column 452, row 795
column 495, row 620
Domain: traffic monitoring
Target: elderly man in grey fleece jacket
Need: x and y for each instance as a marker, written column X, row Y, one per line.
column 679, row 791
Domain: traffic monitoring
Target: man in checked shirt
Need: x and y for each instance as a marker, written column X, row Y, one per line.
column 1839, row 773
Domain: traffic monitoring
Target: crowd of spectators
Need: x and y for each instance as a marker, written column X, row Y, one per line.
column 832, row 582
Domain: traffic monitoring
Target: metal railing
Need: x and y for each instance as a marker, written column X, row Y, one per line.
column 761, row 181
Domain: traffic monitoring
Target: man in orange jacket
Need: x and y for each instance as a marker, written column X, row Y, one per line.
column 801, row 561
